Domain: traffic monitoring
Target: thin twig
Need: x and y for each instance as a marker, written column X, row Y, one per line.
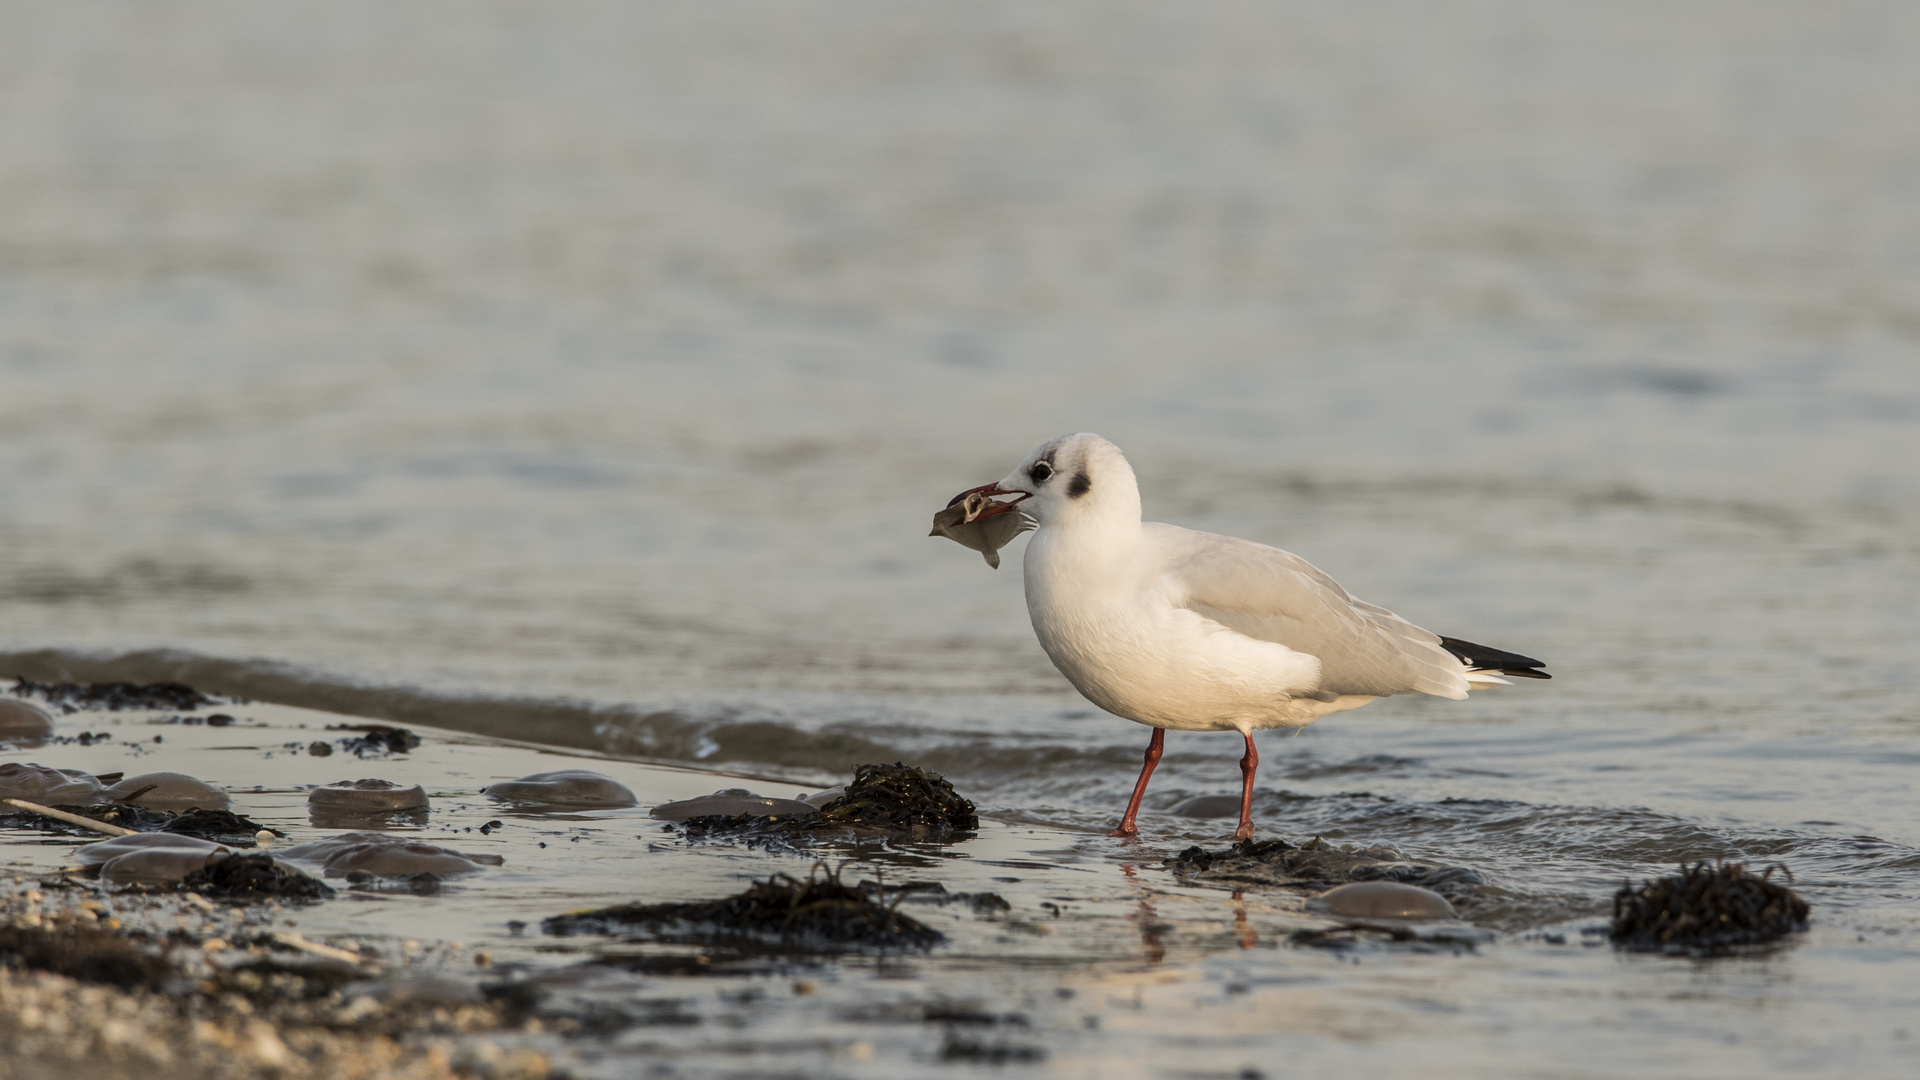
column 295, row 941
column 71, row 819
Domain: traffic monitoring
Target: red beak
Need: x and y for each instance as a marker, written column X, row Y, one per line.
column 990, row 507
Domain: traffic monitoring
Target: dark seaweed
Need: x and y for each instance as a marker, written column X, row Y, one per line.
column 115, row 696
column 85, row 738
column 901, row 797
column 84, row 953
column 819, row 914
column 220, row 826
column 252, row 879
column 379, row 740
column 1706, row 911
column 897, row 799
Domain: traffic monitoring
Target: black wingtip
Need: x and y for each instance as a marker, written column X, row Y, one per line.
column 1498, row 661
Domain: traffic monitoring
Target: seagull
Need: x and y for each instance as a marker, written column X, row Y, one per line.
column 1192, row 631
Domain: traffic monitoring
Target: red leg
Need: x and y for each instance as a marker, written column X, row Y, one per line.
column 1248, row 765
column 1154, row 746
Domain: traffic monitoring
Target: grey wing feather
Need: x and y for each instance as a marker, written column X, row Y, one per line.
column 1277, row 596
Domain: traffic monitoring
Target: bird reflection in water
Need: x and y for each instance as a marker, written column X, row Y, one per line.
column 1152, row 949
column 1243, row 932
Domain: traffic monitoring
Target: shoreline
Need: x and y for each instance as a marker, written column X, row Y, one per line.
column 1090, row 958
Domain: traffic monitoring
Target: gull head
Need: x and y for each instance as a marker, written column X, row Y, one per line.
column 1068, row 479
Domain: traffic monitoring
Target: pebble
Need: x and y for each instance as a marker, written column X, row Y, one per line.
column 1386, row 900
column 730, row 802
column 49, row 787
column 564, row 787
column 822, row 798
column 23, row 720
column 168, row 791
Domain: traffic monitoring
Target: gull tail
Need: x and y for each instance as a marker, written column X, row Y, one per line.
column 1480, row 658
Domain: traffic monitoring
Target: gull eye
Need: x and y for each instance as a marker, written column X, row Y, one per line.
column 1040, row 472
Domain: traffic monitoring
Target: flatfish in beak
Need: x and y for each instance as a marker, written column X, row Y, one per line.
column 969, row 522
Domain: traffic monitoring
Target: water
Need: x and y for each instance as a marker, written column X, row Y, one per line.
column 588, row 375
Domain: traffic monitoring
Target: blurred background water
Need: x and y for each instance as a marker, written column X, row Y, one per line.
column 589, row 372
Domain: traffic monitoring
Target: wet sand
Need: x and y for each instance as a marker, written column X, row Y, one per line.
column 1099, row 952
column 1083, row 933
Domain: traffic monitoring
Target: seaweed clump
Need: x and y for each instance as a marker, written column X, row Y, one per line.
column 901, row 797
column 219, row 826
column 378, row 740
column 115, row 696
column 893, row 799
column 252, row 879
column 782, row 913
column 1703, row 911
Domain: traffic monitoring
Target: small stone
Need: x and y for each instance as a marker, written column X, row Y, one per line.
column 266, row 1046
column 320, row 749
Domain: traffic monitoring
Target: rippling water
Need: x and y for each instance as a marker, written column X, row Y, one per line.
column 588, row 374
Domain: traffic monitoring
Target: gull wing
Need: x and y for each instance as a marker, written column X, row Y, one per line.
column 1277, row 596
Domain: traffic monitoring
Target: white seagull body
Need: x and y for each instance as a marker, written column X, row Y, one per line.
column 1191, row 631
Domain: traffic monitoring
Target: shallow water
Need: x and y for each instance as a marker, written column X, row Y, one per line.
column 589, row 378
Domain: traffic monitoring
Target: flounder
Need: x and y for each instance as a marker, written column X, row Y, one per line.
column 1386, row 900
column 168, row 791
column 148, row 858
column 730, row 803
column 38, row 783
column 974, row 519
column 563, row 787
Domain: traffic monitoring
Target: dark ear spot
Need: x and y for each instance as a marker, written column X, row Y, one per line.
column 1082, row 483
